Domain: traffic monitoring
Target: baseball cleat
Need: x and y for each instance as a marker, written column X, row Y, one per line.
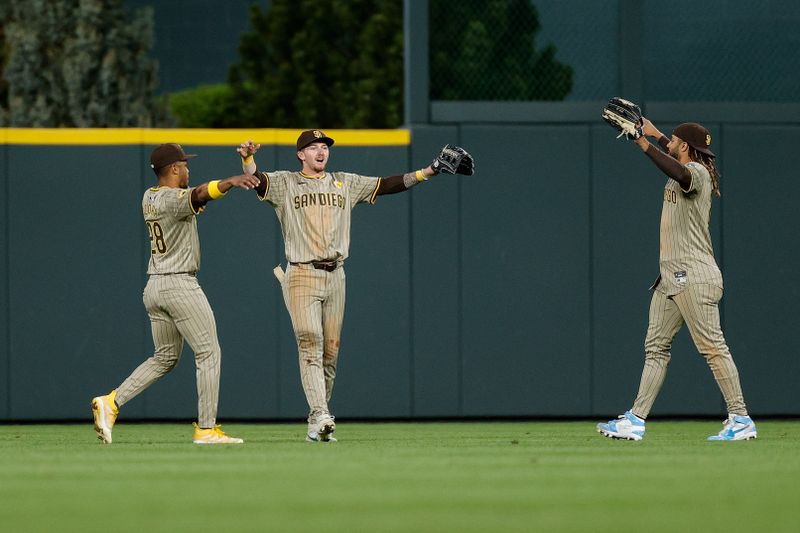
column 736, row 428
column 104, row 410
column 213, row 435
column 627, row 426
column 322, row 429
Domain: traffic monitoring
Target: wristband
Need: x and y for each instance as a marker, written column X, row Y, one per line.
column 213, row 190
column 420, row 175
column 247, row 160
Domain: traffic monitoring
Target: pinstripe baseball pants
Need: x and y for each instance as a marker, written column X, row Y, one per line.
column 315, row 301
column 179, row 310
column 698, row 307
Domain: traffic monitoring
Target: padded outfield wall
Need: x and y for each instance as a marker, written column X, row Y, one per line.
column 521, row 291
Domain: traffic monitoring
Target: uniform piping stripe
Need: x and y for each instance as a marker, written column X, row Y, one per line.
column 375, row 192
column 191, row 205
column 266, row 191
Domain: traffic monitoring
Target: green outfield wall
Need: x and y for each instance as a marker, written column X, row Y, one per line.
column 519, row 291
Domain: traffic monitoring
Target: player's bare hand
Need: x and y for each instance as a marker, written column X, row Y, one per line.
column 248, row 148
column 244, row 181
column 648, row 128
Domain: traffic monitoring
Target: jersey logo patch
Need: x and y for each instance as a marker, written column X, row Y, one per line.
column 181, row 193
column 338, row 184
column 680, row 277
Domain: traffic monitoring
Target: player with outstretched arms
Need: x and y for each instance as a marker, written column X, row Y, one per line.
column 314, row 207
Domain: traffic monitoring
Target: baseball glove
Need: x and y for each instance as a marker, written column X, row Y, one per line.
column 453, row 160
column 625, row 117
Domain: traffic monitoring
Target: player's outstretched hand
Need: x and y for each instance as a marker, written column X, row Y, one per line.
column 244, row 181
column 453, row 160
column 649, row 129
column 248, row 148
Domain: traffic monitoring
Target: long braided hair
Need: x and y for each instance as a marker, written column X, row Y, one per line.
column 708, row 162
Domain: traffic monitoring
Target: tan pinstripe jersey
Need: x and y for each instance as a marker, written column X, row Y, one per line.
column 686, row 255
column 315, row 212
column 172, row 226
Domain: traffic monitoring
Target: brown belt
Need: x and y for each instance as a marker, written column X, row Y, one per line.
column 328, row 266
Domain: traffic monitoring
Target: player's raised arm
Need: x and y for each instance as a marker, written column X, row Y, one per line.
column 650, row 130
column 204, row 193
column 666, row 162
column 247, row 150
column 626, row 117
column 450, row 160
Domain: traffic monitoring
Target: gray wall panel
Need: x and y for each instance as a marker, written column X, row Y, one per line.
column 374, row 367
column 627, row 197
column 511, row 293
column 76, row 275
column 5, row 374
column 526, row 274
column 435, row 280
column 760, row 191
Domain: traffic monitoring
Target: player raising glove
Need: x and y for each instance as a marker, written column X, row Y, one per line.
column 625, row 117
column 453, row 160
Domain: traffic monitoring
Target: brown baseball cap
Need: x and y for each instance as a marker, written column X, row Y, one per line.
column 695, row 135
column 312, row 136
column 166, row 154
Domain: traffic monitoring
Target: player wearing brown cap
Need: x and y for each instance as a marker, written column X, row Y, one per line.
column 689, row 287
column 314, row 209
column 176, row 304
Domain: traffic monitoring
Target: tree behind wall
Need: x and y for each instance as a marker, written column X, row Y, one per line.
column 340, row 66
column 78, row 63
column 4, row 10
column 486, row 51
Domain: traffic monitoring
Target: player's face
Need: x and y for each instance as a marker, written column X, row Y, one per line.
column 675, row 146
column 183, row 174
column 314, row 157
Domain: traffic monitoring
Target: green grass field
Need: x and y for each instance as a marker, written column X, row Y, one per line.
column 505, row 476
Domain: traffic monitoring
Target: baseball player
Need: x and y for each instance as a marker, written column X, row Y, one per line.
column 176, row 304
column 314, row 209
column 689, row 287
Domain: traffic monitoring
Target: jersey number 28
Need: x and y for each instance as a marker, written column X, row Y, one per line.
column 157, row 244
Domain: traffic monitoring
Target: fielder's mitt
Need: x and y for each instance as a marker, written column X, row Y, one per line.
column 624, row 116
column 453, row 160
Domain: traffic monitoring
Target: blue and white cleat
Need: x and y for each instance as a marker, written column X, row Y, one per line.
column 627, row 426
column 737, row 428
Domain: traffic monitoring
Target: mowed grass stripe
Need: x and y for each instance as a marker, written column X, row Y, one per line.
column 520, row 476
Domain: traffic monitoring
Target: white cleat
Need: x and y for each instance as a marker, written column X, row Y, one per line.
column 627, row 426
column 736, row 428
column 322, row 429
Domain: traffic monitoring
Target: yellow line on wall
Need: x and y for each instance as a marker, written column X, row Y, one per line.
column 196, row 137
